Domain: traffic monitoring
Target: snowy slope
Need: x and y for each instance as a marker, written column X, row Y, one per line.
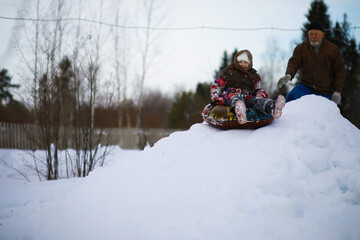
column 298, row 178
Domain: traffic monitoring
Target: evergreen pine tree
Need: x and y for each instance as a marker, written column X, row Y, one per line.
column 351, row 52
column 233, row 56
column 318, row 13
column 224, row 64
column 13, row 111
column 340, row 37
column 225, row 61
column 351, row 91
column 181, row 113
column 5, row 86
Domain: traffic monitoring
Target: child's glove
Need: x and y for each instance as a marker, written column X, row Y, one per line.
column 219, row 101
column 336, row 98
column 261, row 95
column 283, row 80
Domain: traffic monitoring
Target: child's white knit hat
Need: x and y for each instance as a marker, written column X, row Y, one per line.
column 243, row 57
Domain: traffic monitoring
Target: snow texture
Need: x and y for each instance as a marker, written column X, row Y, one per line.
column 298, row 178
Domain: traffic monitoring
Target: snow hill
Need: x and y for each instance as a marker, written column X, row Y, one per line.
column 298, row 178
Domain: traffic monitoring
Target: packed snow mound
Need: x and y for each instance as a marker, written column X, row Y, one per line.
column 298, row 178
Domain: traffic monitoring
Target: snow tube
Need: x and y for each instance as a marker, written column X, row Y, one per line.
column 220, row 116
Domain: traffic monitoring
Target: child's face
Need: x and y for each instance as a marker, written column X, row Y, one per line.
column 244, row 65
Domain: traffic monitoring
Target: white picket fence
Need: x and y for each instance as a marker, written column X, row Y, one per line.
column 13, row 135
column 18, row 136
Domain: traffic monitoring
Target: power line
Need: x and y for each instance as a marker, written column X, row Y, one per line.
column 160, row 28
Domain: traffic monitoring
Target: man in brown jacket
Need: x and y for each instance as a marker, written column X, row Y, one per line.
column 321, row 67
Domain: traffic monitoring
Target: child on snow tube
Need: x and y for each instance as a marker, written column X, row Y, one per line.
column 238, row 86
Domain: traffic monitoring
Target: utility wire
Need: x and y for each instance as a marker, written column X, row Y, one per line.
column 159, row 28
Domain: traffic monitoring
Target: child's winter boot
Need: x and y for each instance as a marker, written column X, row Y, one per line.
column 240, row 111
column 275, row 106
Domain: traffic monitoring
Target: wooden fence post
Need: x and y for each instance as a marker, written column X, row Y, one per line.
column 23, row 136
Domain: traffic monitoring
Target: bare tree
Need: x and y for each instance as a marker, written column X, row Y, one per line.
column 47, row 95
column 86, row 68
column 64, row 89
column 274, row 62
column 148, row 6
column 117, row 65
column 123, row 58
column 122, row 64
column 36, row 50
column 154, row 15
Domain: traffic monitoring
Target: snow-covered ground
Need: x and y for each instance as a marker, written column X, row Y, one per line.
column 298, row 178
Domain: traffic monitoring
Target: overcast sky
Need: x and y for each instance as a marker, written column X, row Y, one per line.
column 190, row 56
